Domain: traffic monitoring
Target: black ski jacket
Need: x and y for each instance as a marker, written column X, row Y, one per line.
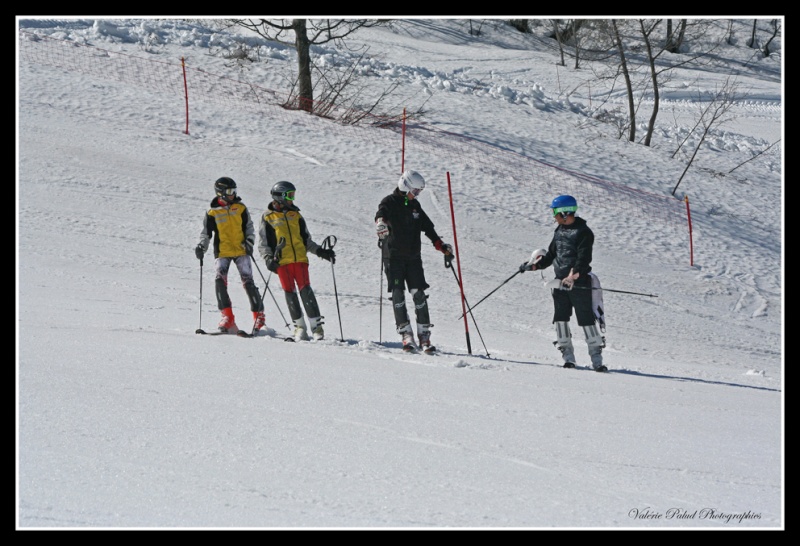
column 406, row 221
column 571, row 248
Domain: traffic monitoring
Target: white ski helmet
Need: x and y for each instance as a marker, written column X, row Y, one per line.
column 411, row 181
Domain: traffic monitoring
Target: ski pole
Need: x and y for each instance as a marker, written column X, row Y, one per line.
column 555, row 284
column 380, row 297
column 449, row 264
column 200, row 325
column 276, row 256
column 489, row 294
column 618, row 291
column 329, row 243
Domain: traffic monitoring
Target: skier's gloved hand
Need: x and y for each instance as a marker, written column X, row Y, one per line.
column 248, row 246
column 525, row 266
column 381, row 228
column 554, row 284
column 443, row 247
column 199, row 251
column 272, row 265
column 569, row 281
column 327, row 254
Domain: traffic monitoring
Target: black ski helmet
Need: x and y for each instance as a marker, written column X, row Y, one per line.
column 283, row 191
column 225, row 187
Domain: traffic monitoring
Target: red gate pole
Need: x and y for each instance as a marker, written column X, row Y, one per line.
column 403, row 145
column 458, row 264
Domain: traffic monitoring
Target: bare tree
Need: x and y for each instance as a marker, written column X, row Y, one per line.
column 658, row 69
column 559, row 40
column 729, row 33
column 776, row 28
column 576, row 25
column 674, row 42
column 473, row 31
column 646, row 30
column 306, row 33
column 759, row 154
column 623, row 62
column 570, row 28
column 712, row 115
column 752, row 41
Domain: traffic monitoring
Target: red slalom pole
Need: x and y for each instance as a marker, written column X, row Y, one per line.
column 403, row 145
column 458, row 264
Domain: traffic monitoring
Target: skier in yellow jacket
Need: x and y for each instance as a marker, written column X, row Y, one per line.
column 228, row 221
column 283, row 220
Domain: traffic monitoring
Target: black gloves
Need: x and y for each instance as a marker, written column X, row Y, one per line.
column 525, row 266
column 272, row 265
column 327, row 254
column 199, row 251
column 248, row 247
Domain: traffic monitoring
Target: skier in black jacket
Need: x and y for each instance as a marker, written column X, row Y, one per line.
column 400, row 221
column 570, row 254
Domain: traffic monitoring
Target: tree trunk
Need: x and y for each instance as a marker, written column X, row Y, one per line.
column 628, row 86
column 753, row 35
column 654, row 78
column 681, row 36
column 557, row 32
column 670, row 41
column 729, row 33
column 765, row 49
column 572, row 29
column 305, row 88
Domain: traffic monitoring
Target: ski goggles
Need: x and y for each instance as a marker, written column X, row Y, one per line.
column 563, row 211
column 228, row 191
column 415, row 191
column 288, row 195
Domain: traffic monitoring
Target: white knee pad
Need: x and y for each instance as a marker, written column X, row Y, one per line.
column 563, row 335
column 594, row 340
column 563, row 341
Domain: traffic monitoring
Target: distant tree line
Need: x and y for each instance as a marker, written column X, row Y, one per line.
column 634, row 52
column 640, row 55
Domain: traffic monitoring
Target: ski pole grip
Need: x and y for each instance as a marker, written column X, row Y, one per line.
column 277, row 254
column 329, row 242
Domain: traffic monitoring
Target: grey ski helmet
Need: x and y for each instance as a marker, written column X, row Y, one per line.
column 283, row 191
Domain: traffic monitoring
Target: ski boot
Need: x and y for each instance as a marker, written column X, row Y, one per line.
column 228, row 323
